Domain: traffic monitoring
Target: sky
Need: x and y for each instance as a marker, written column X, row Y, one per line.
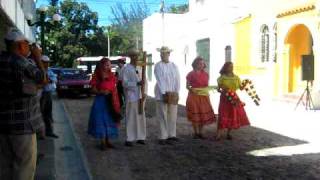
column 103, row 7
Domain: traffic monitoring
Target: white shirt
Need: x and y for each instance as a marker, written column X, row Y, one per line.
column 168, row 79
column 129, row 82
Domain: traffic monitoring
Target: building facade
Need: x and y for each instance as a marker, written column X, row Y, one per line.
column 13, row 14
column 277, row 44
column 206, row 30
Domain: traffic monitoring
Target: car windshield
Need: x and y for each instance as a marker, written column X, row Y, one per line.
column 73, row 74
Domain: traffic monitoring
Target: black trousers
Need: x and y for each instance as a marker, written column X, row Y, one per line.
column 46, row 111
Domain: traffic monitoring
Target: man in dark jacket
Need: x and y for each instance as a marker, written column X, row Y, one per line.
column 20, row 115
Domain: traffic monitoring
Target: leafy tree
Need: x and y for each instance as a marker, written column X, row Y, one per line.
column 126, row 29
column 180, row 9
column 78, row 34
column 53, row 2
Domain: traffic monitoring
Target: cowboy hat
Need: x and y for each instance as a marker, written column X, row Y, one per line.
column 164, row 49
column 132, row 52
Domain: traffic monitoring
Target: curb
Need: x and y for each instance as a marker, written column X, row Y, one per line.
column 78, row 145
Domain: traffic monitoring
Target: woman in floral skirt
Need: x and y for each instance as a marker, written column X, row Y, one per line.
column 231, row 110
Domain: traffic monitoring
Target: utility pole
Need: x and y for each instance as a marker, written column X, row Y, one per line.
column 162, row 19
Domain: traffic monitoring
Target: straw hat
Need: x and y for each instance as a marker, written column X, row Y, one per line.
column 132, row 52
column 164, row 49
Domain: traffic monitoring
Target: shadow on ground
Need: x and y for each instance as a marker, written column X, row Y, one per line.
column 191, row 158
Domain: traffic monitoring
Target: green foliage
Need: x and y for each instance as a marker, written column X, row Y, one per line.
column 180, row 9
column 78, row 33
column 126, row 29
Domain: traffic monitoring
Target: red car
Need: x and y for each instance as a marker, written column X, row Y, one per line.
column 73, row 81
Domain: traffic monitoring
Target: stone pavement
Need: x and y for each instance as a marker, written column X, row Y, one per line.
column 63, row 157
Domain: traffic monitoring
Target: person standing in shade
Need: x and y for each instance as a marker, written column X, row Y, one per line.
column 20, row 116
column 167, row 94
column 103, row 122
column 135, row 122
column 46, row 98
column 121, row 64
column 231, row 110
column 198, row 106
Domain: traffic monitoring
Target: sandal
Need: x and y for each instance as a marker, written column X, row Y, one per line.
column 229, row 137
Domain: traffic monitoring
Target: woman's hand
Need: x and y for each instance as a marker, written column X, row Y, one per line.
column 193, row 90
column 105, row 92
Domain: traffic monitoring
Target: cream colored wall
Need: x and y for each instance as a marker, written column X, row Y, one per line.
column 311, row 21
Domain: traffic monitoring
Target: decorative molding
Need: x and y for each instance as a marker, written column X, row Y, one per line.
column 296, row 11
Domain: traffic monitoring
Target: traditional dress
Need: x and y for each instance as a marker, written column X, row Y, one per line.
column 231, row 115
column 168, row 80
column 102, row 123
column 199, row 109
column 135, row 122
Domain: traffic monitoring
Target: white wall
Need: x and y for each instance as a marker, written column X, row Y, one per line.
column 16, row 14
column 181, row 32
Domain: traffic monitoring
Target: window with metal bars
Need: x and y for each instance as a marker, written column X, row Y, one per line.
column 264, row 43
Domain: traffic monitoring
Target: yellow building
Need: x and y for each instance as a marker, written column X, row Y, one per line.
column 278, row 46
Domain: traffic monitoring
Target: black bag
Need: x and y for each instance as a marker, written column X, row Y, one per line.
column 115, row 115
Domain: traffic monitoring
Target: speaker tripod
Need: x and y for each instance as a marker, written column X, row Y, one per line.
column 308, row 103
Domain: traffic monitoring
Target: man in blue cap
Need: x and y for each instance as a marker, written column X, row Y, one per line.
column 46, row 98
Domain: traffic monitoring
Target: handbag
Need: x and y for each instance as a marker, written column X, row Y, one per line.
column 171, row 98
column 115, row 115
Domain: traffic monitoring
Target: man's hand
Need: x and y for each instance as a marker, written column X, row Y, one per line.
column 105, row 92
column 140, row 83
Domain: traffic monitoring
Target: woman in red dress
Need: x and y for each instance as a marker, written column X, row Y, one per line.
column 231, row 110
column 198, row 106
column 103, row 120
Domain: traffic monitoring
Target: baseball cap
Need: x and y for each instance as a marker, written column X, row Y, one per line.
column 15, row 35
column 45, row 58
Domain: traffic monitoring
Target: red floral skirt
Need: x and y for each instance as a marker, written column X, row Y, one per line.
column 231, row 116
column 199, row 109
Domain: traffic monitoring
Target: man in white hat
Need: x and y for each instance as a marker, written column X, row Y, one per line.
column 167, row 93
column 20, row 116
column 46, row 98
column 135, row 122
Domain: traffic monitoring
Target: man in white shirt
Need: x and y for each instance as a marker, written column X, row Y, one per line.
column 135, row 122
column 168, row 81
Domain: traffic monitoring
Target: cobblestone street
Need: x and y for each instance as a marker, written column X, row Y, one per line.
column 191, row 158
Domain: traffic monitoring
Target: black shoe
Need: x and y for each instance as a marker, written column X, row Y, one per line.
column 128, row 143
column 162, row 142
column 196, row 136
column 52, row 135
column 141, row 142
column 103, row 147
column 201, row 136
column 229, row 137
column 173, row 139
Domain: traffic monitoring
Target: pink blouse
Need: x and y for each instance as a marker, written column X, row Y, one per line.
column 198, row 79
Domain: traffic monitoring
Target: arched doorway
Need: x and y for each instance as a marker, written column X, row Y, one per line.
column 298, row 42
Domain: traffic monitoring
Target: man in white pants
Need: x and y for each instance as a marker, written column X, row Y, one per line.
column 168, row 81
column 135, row 122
